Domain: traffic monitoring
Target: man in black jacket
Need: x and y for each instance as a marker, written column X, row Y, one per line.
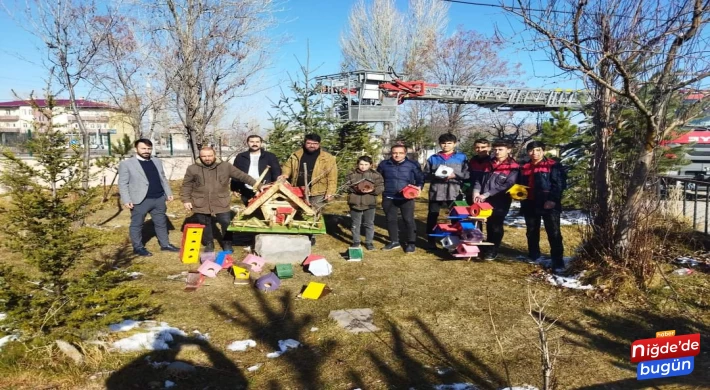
column 253, row 162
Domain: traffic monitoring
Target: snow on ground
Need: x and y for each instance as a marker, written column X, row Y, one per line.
column 7, row 339
column 241, row 345
column 155, row 338
column 3, row 316
column 568, row 217
column 254, row 367
column 569, row 281
column 284, row 345
column 523, row 387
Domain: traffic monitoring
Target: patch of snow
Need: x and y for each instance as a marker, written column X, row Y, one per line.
column 157, row 338
column 314, row 329
column 545, row 261
column 241, row 345
column 169, row 384
column 3, row 316
column 124, row 326
column 569, row 282
column 523, row 387
column 444, row 370
column 568, row 217
column 200, row 336
column 683, row 271
column 284, row 345
column 254, row 367
column 456, row 386
column 7, row 339
column 135, row 275
column 689, row 261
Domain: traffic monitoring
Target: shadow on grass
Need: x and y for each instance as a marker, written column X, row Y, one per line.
column 268, row 324
column 614, row 333
column 415, row 350
column 119, row 210
column 148, row 231
column 122, row 257
column 140, row 374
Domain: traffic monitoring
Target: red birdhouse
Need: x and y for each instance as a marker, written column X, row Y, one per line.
column 481, row 210
column 459, row 212
column 410, row 191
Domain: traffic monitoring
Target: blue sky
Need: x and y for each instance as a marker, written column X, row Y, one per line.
column 317, row 23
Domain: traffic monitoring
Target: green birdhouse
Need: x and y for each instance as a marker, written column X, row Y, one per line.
column 355, row 254
column 459, row 203
column 284, row 271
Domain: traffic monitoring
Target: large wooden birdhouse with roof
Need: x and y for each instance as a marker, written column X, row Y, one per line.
column 279, row 208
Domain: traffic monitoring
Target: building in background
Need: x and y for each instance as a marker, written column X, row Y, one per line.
column 102, row 121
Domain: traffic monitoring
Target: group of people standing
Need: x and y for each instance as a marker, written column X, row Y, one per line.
column 209, row 184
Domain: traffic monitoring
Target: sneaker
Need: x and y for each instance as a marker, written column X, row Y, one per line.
column 142, row 252
column 355, row 245
column 370, row 247
column 391, row 245
column 490, row 256
column 409, row 248
column 170, row 248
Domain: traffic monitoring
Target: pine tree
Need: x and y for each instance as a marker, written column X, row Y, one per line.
column 558, row 132
column 43, row 226
column 351, row 141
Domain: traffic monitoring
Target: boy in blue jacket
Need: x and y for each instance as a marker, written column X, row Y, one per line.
column 398, row 171
column 446, row 171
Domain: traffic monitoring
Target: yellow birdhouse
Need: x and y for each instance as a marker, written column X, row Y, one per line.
column 190, row 248
column 241, row 275
column 518, row 192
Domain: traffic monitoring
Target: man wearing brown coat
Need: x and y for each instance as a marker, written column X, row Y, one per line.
column 205, row 191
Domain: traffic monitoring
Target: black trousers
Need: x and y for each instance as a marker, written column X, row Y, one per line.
column 494, row 223
column 432, row 217
column 224, row 219
column 551, row 218
column 392, row 208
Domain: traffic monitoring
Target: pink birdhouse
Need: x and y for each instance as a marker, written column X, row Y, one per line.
column 468, row 250
column 459, row 212
column 312, row 258
column 209, row 269
column 255, row 262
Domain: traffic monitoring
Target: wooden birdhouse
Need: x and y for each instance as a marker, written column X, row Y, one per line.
column 241, row 275
column 209, row 269
column 313, row 290
column 268, row 282
column 310, row 259
column 450, row 242
column 474, row 236
column 481, row 210
column 320, row 267
column 410, row 191
column 462, row 226
column 255, row 262
column 459, row 203
column 364, row 186
column 355, row 254
column 284, row 271
column 464, row 250
column 224, row 258
column 443, row 171
column 443, row 230
column 191, row 238
column 518, row 192
column 459, row 212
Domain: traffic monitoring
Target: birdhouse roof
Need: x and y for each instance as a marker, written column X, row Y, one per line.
column 446, row 227
column 483, row 206
column 280, row 187
column 312, row 258
column 320, row 267
column 460, row 210
column 462, row 225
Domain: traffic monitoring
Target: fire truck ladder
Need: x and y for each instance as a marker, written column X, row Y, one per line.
column 373, row 96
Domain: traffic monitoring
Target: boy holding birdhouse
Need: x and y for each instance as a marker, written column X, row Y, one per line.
column 364, row 184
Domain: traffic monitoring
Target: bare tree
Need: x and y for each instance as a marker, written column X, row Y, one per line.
column 426, row 24
column 212, row 50
column 469, row 58
column 126, row 76
column 636, row 53
column 73, row 32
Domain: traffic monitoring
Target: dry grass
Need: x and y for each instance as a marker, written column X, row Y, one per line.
column 432, row 314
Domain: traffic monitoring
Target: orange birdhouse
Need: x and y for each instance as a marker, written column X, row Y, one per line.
column 481, row 210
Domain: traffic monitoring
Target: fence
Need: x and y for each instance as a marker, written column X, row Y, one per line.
column 693, row 201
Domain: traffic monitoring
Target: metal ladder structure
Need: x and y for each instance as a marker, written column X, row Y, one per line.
column 373, row 96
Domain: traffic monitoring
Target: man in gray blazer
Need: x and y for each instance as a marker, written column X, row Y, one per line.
column 144, row 189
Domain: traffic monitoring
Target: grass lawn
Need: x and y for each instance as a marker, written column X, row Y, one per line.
column 432, row 311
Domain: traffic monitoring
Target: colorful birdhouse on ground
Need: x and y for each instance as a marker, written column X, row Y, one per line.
column 518, row 192
column 313, row 290
column 241, row 275
column 462, row 226
column 474, row 236
column 410, row 191
column 207, row 256
column 481, row 210
column 209, row 269
column 355, row 254
column 464, row 250
column 443, row 230
column 193, row 281
column 458, row 203
column 459, row 212
column 191, row 239
column 255, row 262
column 268, row 282
column 284, row 271
column 450, row 242
column 320, row 267
column 311, row 258
column 222, row 257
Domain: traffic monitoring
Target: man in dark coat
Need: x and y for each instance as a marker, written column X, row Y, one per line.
column 253, row 162
column 205, row 192
column 544, row 178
